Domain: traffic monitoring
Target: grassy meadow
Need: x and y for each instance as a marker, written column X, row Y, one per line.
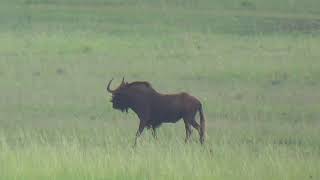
column 254, row 64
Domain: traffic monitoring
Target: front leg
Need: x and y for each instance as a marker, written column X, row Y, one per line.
column 142, row 125
column 143, row 114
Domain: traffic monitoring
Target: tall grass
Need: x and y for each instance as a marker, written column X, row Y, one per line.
column 34, row 156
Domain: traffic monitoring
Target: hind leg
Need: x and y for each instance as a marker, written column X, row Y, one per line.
column 194, row 123
column 188, row 130
column 190, row 118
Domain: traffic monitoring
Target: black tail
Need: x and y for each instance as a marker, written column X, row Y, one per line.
column 202, row 125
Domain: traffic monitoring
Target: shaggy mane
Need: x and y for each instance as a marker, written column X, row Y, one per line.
column 137, row 83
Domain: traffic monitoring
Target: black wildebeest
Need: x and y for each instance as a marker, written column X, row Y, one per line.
column 154, row 108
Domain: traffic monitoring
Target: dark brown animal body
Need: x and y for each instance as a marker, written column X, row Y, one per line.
column 154, row 108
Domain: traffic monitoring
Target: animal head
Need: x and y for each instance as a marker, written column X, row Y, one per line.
column 127, row 95
column 119, row 99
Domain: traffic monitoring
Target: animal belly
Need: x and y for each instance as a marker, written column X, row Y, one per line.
column 165, row 114
column 167, row 117
column 171, row 120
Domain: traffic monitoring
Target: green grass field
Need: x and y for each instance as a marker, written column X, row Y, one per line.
column 254, row 64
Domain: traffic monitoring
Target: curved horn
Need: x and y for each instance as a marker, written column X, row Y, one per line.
column 122, row 80
column 108, row 87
